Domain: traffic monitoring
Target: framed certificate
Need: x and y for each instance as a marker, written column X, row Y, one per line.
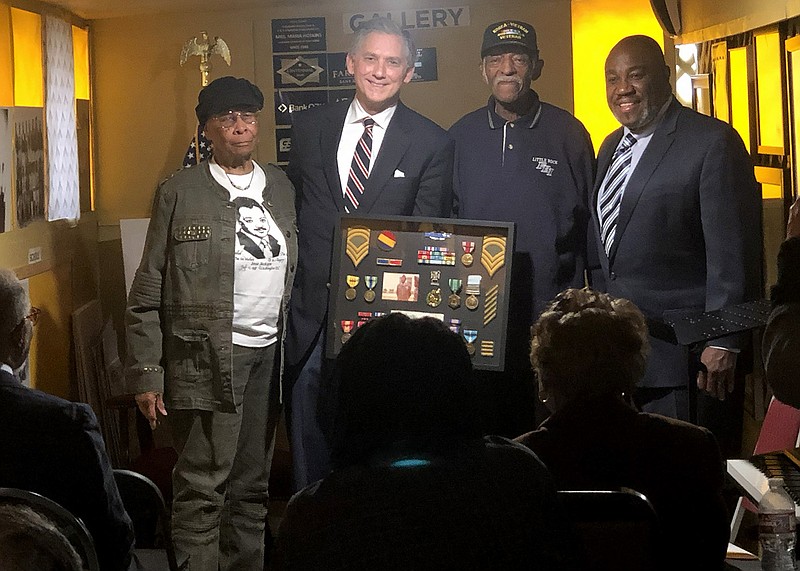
column 457, row 271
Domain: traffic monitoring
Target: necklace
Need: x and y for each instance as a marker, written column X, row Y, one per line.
column 236, row 186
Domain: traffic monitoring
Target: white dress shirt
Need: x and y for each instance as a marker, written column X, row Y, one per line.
column 351, row 133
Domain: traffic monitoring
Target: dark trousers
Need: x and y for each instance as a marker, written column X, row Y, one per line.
column 722, row 418
column 311, row 455
column 220, row 480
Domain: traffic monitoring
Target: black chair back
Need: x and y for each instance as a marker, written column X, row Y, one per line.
column 618, row 529
column 69, row 524
column 145, row 506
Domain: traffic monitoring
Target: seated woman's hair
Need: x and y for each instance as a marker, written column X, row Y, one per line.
column 587, row 343
column 401, row 382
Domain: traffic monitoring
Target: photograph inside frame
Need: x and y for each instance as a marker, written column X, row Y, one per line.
column 457, row 271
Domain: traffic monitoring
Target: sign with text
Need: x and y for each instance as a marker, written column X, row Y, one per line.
column 292, row 101
column 298, row 35
column 420, row 19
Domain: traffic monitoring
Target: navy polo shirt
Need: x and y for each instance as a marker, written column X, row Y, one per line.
column 536, row 171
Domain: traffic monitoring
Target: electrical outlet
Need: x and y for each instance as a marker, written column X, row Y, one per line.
column 35, row 255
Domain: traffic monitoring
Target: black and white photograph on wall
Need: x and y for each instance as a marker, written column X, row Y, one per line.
column 29, row 164
column 5, row 169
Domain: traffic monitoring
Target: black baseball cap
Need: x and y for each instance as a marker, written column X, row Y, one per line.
column 509, row 33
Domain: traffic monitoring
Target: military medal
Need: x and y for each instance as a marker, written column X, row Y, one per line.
column 436, row 256
column 454, row 301
column 434, row 297
column 469, row 336
column 473, row 290
column 347, row 327
column 436, row 275
column 352, row 281
column 455, row 325
column 468, row 247
column 370, row 282
column 386, row 240
column 363, row 317
column 493, row 253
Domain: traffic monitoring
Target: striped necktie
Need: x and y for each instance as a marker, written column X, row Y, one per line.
column 359, row 168
column 610, row 196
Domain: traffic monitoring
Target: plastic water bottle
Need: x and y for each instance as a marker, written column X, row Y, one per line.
column 776, row 528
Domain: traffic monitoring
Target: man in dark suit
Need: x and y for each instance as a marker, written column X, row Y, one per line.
column 52, row 446
column 677, row 217
column 374, row 156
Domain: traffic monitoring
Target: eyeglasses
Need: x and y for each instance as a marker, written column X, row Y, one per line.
column 33, row 316
column 228, row 120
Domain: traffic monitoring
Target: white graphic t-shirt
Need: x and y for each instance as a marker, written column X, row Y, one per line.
column 260, row 268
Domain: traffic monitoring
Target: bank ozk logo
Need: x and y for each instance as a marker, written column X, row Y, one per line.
column 299, row 71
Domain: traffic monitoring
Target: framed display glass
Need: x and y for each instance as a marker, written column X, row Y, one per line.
column 457, row 271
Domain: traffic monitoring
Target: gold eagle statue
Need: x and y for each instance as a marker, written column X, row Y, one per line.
column 205, row 49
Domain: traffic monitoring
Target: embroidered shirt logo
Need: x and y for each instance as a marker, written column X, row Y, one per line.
column 547, row 166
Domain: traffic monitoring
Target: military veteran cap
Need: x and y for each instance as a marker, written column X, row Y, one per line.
column 227, row 94
column 509, row 33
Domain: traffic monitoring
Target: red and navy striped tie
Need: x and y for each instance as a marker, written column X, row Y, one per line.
column 359, row 168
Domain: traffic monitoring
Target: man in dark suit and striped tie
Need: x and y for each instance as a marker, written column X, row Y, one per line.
column 677, row 221
column 374, row 156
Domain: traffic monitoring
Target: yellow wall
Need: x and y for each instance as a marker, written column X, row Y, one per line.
column 596, row 26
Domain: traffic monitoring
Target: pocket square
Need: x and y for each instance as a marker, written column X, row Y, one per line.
column 399, row 174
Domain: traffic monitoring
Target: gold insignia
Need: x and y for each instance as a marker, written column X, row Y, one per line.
column 357, row 244
column 490, row 304
column 493, row 253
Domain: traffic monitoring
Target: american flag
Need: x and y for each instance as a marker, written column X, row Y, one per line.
column 199, row 149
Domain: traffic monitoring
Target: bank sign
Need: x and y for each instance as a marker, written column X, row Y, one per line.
column 422, row 19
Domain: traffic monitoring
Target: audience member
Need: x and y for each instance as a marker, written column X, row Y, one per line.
column 30, row 541
column 781, row 342
column 414, row 482
column 589, row 350
column 52, row 446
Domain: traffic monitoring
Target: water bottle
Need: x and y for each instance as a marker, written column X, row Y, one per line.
column 776, row 528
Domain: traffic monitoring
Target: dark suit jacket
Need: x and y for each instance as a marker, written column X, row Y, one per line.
column 688, row 235
column 53, row 447
column 412, row 144
column 603, row 444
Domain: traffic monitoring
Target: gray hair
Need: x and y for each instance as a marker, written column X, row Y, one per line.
column 384, row 26
column 31, row 540
column 14, row 302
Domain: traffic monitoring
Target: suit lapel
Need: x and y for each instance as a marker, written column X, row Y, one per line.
column 657, row 148
column 329, row 145
column 395, row 143
column 604, row 161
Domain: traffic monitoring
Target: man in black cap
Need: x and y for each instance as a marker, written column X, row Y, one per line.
column 205, row 331
column 524, row 161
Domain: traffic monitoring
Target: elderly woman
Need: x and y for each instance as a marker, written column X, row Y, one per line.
column 589, row 350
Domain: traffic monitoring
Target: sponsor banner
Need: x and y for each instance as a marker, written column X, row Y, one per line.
column 288, row 102
column 283, row 143
column 307, row 70
column 422, row 19
column 298, row 35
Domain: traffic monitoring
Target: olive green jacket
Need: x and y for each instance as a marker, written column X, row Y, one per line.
column 180, row 307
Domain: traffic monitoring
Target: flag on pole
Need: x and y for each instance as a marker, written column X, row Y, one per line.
column 199, row 149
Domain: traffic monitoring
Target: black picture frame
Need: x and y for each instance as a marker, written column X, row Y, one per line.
column 423, row 246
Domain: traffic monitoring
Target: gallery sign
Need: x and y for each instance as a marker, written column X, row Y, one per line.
column 421, row 19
